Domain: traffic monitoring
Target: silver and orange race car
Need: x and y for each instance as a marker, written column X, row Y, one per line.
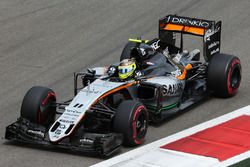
column 107, row 111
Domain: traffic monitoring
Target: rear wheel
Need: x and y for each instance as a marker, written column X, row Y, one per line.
column 224, row 75
column 37, row 105
column 131, row 119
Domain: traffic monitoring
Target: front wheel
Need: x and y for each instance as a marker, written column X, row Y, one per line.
column 37, row 105
column 131, row 119
column 224, row 75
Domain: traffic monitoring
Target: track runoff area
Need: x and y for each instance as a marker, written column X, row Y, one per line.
column 223, row 141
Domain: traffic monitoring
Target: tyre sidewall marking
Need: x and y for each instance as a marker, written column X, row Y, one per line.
column 233, row 65
column 137, row 112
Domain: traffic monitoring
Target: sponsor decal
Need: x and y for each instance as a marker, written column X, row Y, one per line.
column 143, row 51
column 70, row 114
column 215, row 51
column 66, row 121
column 55, row 136
column 58, row 132
column 213, row 44
column 90, row 91
column 209, row 33
column 36, row 133
column 73, row 111
column 189, row 22
column 86, row 141
column 155, row 45
column 172, row 89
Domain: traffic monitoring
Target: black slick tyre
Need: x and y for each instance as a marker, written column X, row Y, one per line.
column 36, row 105
column 131, row 119
column 224, row 75
column 126, row 52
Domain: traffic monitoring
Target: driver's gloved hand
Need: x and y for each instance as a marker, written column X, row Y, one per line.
column 112, row 71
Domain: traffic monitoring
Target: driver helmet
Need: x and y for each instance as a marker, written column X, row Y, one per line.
column 126, row 68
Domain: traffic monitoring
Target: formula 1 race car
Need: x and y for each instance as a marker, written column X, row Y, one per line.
column 108, row 111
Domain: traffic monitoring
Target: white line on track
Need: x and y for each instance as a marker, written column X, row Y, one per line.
column 151, row 155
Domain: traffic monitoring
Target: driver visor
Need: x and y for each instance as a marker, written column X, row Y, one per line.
column 125, row 69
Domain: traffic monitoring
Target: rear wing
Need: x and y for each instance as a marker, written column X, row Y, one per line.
column 209, row 30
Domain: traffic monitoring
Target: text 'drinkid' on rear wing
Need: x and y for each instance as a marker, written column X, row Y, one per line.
column 209, row 30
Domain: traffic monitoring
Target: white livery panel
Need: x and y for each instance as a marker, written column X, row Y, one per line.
column 75, row 111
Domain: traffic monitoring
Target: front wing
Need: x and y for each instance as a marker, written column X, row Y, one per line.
column 90, row 143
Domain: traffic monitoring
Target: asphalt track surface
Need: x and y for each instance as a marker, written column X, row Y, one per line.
column 42, row 42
